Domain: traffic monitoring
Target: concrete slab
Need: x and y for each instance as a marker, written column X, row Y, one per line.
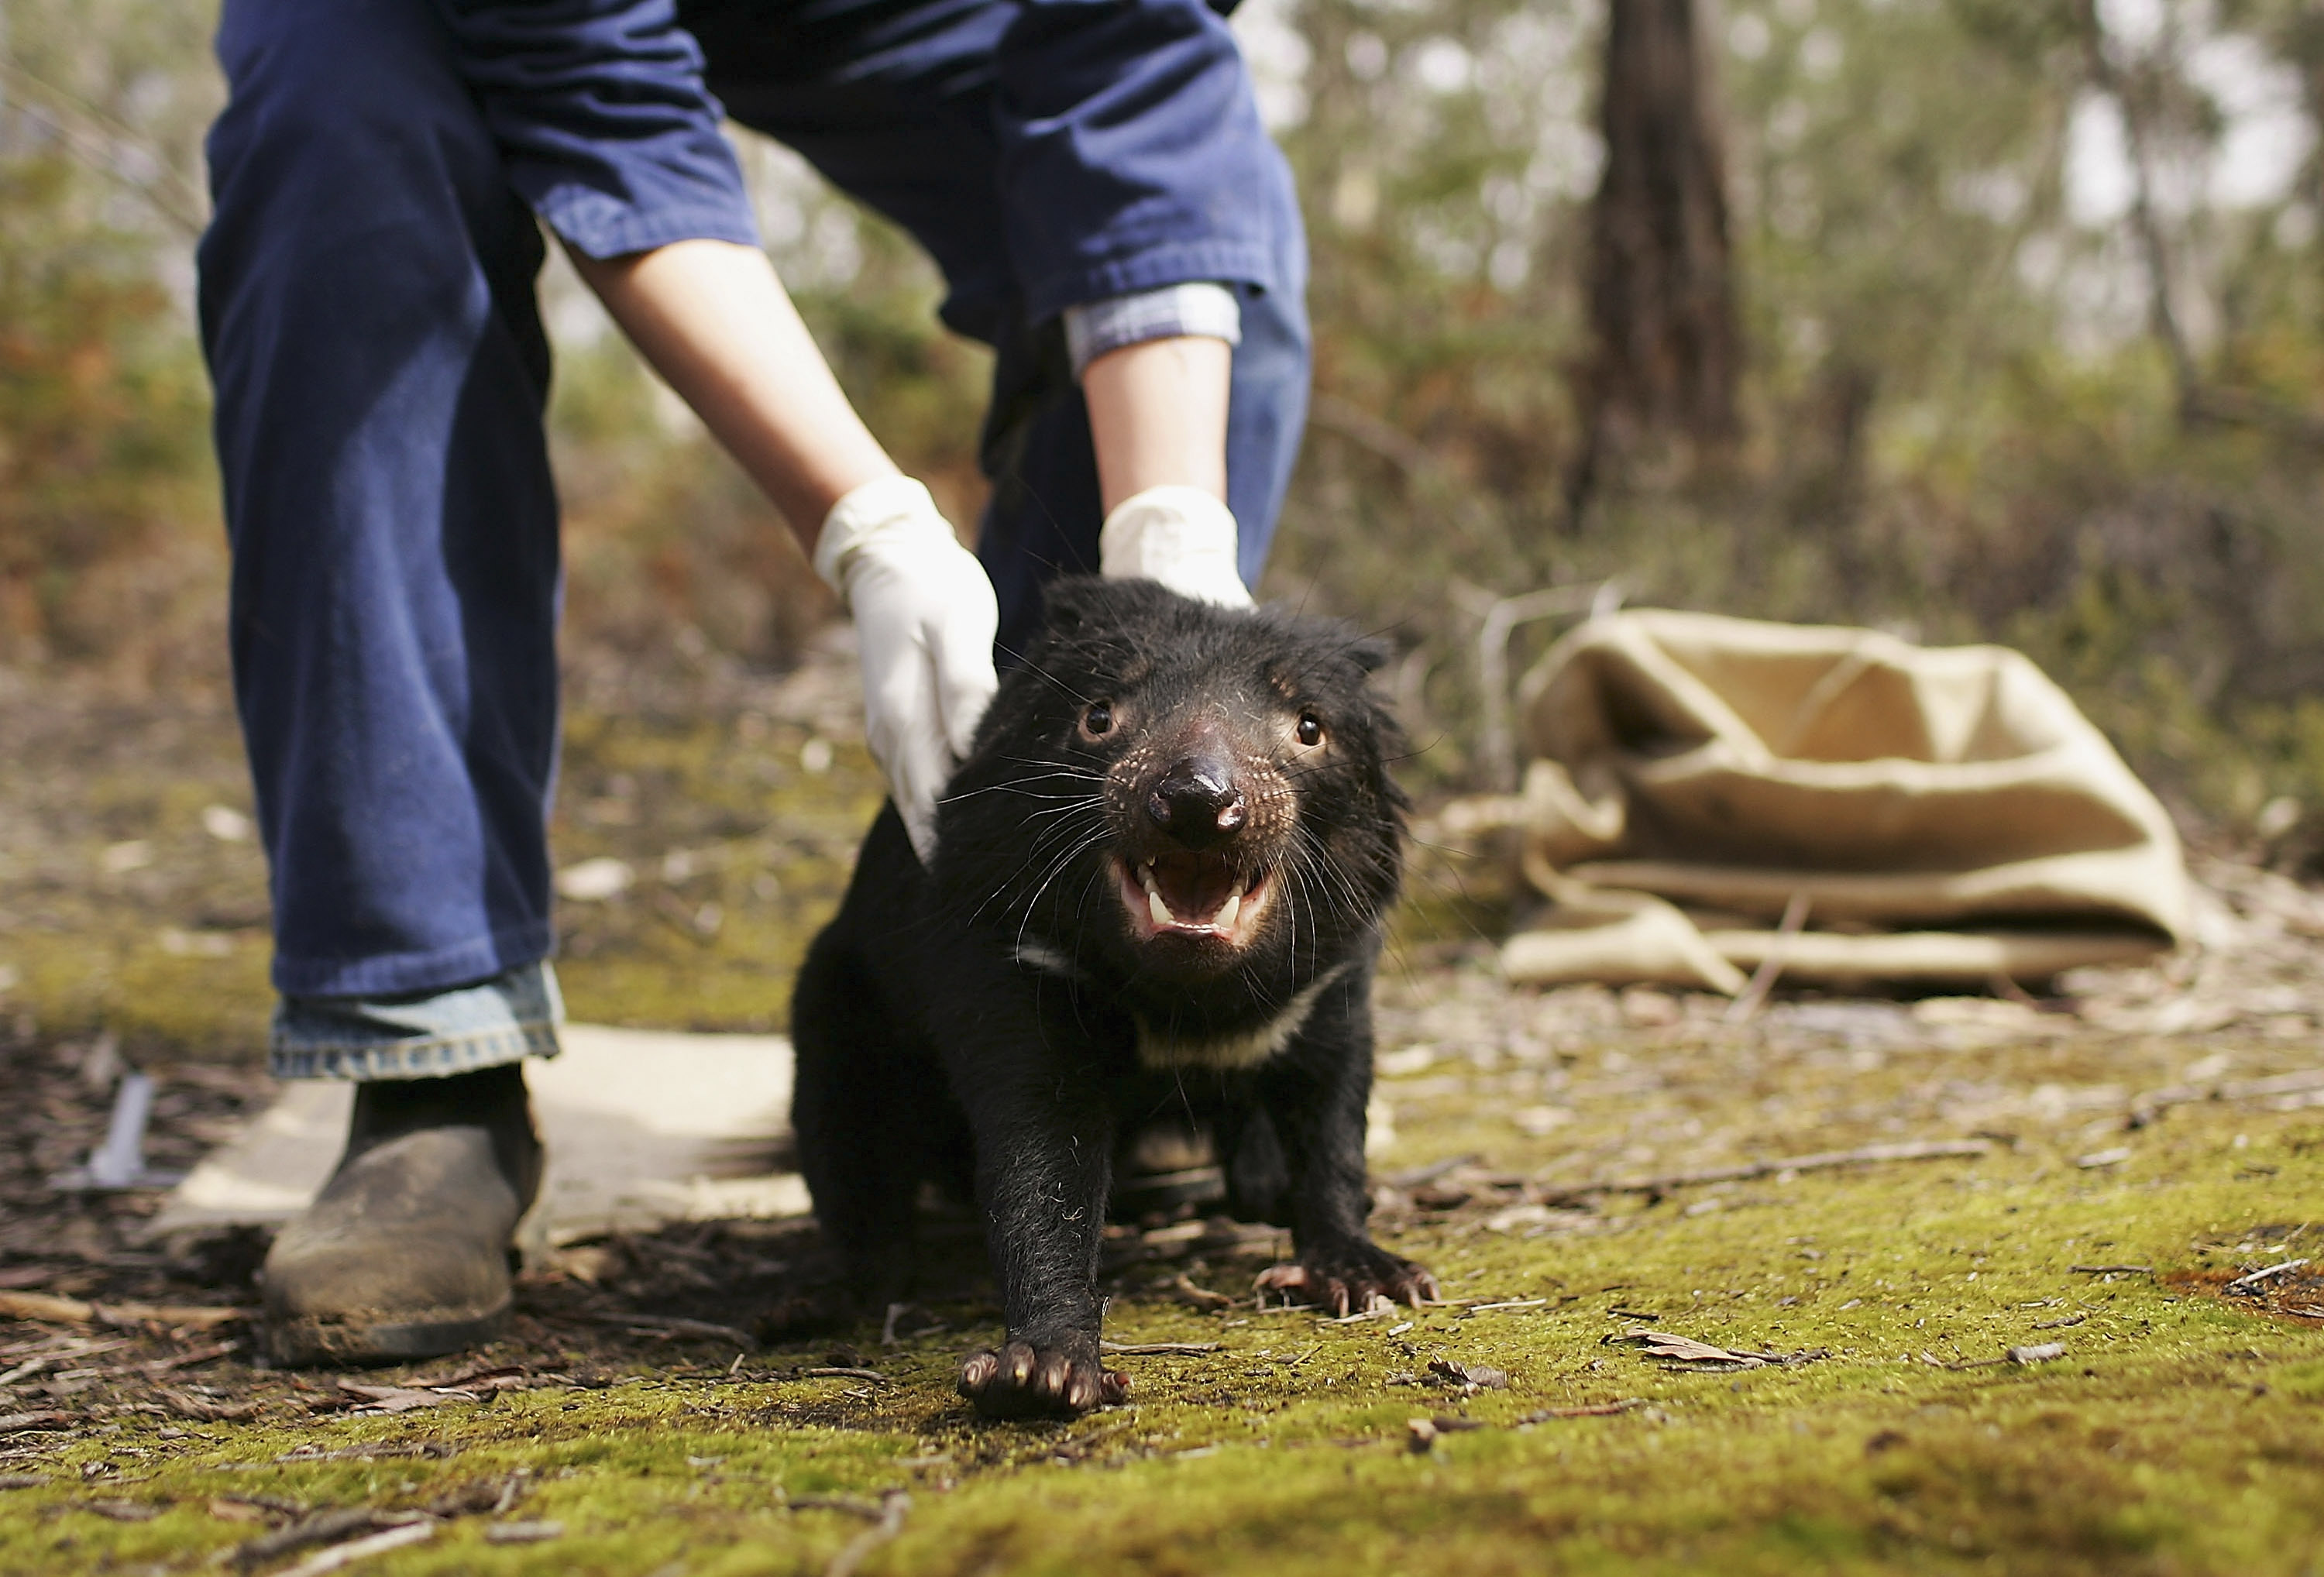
column 643, row 1127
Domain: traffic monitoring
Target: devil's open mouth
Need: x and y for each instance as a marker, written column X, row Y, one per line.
column 1193, row 895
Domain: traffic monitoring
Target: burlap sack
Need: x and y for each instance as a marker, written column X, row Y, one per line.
column 1946, row 815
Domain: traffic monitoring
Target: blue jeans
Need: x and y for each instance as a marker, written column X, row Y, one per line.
column 368, row 310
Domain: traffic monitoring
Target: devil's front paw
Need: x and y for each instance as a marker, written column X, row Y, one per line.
column 1030, row 1380
column 1351, row 1277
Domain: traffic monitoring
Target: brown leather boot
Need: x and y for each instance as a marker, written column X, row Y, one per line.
column 406, row 1252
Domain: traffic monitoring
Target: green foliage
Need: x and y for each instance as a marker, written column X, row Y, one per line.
column 1956, row 425
column 103, row 445
column 1957, row 422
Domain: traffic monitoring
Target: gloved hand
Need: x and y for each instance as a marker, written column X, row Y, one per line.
column 924, row 623
column 1180, row 536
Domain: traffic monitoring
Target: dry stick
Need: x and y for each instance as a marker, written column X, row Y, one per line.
column 838, row 1371
column 673, row 1324
column 1156, row 1349
column 1763, row 979
column 2144, row 1106
column 1200, row 1296
column 2111, row 1269
column 893, row 1507
column 17, row 1423
column 347, row 1554
column 50, row 1309
column 2243, row 1282
column 1592, row 1410
column 193, row 1359
column 1915, row 1150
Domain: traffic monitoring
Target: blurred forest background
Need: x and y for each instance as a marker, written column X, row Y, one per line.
column 1967, row 318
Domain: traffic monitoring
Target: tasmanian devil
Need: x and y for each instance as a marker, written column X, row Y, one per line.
column 1157, row 889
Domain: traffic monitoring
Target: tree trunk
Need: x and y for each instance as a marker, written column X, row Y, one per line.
column 1662, row 297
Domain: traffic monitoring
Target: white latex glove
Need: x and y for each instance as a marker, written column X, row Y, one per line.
column 924, row 619
column 1180, row 536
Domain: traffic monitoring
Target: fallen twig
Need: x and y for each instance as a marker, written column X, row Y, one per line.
column 20, row 1422
column 363, row 1549
column 2111, row 1269
column 1384, row 1311
column 522, row 1533
column 1156, row 1349
column 327, row 1526
column 676, row 1325
column 2245, row 1283
column 31, row 1367
column 1590, row 1410
column 1867, row 1155
column 191, row 1359
column 1771, row 967
column 1201, row 1297
column 50, row 1309
column 842, row 1371
column 894, row 1506
column 2143, row 1107
column 1418, row 1175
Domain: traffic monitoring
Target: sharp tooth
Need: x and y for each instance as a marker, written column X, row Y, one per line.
column 1157, row 909
column 1225, row 919
column 1146, row 875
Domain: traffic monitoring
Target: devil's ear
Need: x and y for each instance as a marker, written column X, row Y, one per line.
column 1073, row 605
column 1370, row 653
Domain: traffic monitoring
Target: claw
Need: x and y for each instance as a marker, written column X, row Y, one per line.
column 1027, row 1380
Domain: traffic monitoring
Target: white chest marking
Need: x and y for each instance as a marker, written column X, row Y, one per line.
column 1157, row 1049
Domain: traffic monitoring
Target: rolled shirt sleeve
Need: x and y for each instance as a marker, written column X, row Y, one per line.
column 1131, row 153
column 599, row 110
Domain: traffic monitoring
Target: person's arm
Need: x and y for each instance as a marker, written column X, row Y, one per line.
column 716, row 322
column 719, row 327
column 1158, row 415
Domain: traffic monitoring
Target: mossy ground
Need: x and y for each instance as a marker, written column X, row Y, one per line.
column 2180, row 1432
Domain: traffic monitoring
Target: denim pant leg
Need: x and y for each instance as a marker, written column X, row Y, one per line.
column 419, row 1034
column 367, row 313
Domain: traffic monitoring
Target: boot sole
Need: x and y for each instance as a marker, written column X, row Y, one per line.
column 301, row 1342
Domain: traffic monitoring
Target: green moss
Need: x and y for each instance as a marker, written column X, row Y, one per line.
column 2177, row 1435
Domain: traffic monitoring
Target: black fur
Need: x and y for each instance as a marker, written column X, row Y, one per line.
column 1072, row 968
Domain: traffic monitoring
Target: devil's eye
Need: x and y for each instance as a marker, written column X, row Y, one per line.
column 1098, row 718
column 1310, row 731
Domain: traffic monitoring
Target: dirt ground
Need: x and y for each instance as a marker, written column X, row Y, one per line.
column 1855, row 1284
